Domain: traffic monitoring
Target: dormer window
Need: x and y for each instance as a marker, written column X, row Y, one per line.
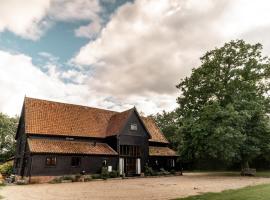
column 133, row 127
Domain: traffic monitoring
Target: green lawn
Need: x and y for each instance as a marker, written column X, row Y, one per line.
column 265, row 174
column 259, row 192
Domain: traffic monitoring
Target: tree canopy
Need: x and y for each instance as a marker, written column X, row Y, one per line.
column 224, row 106
column 8, row 126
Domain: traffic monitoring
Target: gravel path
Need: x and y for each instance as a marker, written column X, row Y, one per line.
column 139, row 188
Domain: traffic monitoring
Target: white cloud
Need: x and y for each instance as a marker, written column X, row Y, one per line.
column 24, row 18
column 30, row 19
column 149, row 45
column 90, row 30
column 19, row 77
column 138, row 58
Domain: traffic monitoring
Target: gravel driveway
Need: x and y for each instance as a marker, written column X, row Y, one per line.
column 139, row 188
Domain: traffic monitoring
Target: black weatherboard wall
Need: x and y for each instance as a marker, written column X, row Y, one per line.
column 139, row 137
column 89, row 164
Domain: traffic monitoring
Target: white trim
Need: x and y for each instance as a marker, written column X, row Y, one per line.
column 138, row 166
column 121, row 166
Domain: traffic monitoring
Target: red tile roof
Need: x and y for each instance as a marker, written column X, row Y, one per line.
column 161, row 151
column 69, row 147
column 156, row 134
column 53, row 118
column 117, row 122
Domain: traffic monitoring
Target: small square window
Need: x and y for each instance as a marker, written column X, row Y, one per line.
column 51, row 161
column 75, row 161
column 133, row 127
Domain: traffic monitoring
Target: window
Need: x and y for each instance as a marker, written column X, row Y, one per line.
column 51, row 161
column 130, row 150
column 133, row 127
column 75, row 161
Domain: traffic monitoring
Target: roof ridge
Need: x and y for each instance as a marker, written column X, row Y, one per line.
column 70, row 104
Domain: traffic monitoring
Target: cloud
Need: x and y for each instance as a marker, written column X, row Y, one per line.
column 90, row 30
column 30, row 19
column 19, row 77
column 149, row 45
column 24, row 18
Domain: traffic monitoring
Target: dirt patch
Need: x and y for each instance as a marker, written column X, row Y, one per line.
column 140, row 188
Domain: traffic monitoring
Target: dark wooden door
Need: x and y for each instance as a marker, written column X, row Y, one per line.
column 130, row 166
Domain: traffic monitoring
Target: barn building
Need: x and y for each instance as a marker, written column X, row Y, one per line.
column 55, row 139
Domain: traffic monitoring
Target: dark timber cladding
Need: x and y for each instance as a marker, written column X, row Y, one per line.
column 57, row 138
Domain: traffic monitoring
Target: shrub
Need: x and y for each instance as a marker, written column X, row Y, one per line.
column 6, row 168
column 113, row 174
column 56, row 180
column 163, row 172
column 96, row 176
column 104, row 173
column 149, row 171
column 77, row 177
column 87, row 178
column 173, row 171
column 68, row 178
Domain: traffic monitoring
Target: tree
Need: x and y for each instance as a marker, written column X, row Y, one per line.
column 8, row 126
column 166, row 121
column 224, row 106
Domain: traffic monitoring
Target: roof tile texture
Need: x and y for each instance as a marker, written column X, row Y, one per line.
column 69, row 147
column 161, row 151
column 54, row 118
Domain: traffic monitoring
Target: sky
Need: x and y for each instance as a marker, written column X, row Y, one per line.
column 115, row 54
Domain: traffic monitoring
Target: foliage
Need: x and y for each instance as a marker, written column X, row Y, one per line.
column 224, row 106
column 56, row 180
column 68, row 178
column 113, row 174
column 6, row 168
column 148, row 171
column 88, row 178
column 8, row 126
column 104, row 173
column 96, row 176
column 259, row 192
column 163, row 172
column 167, row 123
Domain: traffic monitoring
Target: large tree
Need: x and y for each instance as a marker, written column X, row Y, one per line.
column 224, row 105
column 166, row 121
column 8, row 126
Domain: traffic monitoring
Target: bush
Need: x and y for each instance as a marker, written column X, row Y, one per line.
column 104, row 173
column 173, row 171
column 114, row 174
column 163, row 172
column 77, row 177
column 56, row 180
column 149, row 171
column 96, row 176
column 6, row 169
column 87, row 178
column 68, row 178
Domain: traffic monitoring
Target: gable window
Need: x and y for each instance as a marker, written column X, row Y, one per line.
column 133, row 127
column 51, row 161
column 75, row 161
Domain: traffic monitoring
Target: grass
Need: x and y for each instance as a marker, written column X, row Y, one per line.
column 265, row 174
column 259, row 192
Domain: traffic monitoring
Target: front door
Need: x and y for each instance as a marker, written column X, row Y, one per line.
column 130, row 166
